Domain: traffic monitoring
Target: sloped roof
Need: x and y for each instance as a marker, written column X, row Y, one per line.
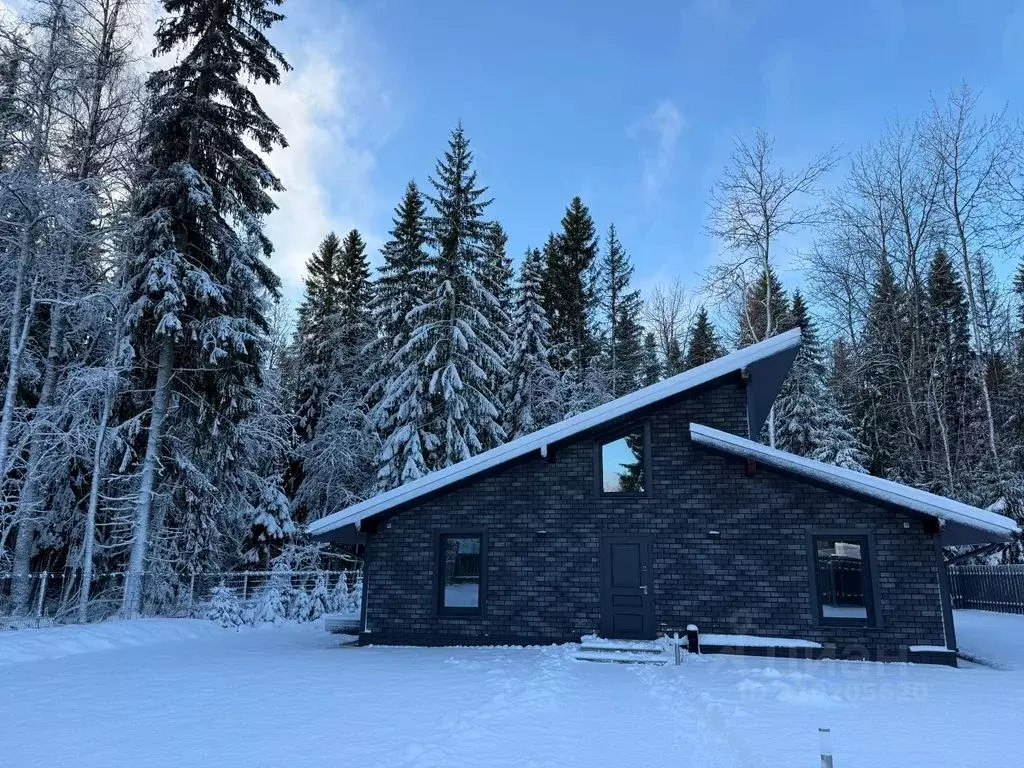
column 735, row 361
column 966, row 524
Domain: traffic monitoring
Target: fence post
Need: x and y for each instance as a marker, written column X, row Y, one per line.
column 42, row 594
column 825, row 737
column 245, row 585
column 191, row 593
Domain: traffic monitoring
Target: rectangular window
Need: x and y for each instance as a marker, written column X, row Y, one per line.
column 624, row 464
column 461, row 573
column 843, row 577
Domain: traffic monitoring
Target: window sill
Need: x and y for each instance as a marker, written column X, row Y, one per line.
column 459, row 613
column 823, row 622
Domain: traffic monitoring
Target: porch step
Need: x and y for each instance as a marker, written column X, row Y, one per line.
column 622, row 657
column 593, row 648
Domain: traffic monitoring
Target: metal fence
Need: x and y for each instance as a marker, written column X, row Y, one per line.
column 988, row 587
column 54, row 596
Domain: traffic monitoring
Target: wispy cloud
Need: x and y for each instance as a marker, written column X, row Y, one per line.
column 659, row 133
column 325, row 106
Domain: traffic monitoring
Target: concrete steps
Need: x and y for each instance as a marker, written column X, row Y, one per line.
column 599, row 649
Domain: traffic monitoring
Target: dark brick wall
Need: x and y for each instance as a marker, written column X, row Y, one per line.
column 752, row 579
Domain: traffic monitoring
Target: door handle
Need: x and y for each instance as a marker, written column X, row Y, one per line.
column 644, row 588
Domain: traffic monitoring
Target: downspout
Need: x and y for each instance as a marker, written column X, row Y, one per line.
column 948, row 628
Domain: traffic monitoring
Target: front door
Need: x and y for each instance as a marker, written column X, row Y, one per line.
column 627, row 605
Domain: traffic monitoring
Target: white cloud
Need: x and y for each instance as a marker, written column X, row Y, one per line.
column 659, row 131
column 323, row 106
column 326, row 174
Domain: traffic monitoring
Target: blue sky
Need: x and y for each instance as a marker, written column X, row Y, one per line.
column 633, row 106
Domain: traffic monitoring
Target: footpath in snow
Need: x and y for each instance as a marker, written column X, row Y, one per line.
column 170, row 693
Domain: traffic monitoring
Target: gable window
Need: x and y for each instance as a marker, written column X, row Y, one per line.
column 461, row 573
column 624, row 463
column 842, row 574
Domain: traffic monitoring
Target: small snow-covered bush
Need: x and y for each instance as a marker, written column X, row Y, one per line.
column 269, row 605
column 225, row 608
column 355, row 595
column 319, row 600
column 298, row 604
column 339, row 597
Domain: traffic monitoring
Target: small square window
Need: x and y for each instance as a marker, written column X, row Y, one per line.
column 461, row 570
column 624, row 464
column 843, row 579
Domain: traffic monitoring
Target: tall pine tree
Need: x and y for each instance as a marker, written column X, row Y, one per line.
column 621, row 308
column 530, row 373
column 808, row 422
column 197, row 279
column 704, row 345
column 450, row 360
column 570, row 295
column 498, row 274
column 316, row 316
column 651, row 373
column 882, row 400
column 400, row 409
column 753, row 320
column 338, row 459
column 950, row 385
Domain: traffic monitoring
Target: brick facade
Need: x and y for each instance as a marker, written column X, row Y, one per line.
column 752, row 578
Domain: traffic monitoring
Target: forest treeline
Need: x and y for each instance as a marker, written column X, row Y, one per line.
column 163, row 416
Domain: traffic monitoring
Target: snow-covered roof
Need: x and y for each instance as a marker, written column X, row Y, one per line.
column 556, row 433
column 946, row 510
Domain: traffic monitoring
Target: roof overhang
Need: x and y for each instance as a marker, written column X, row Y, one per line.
column 755, row 361
column 960, row 523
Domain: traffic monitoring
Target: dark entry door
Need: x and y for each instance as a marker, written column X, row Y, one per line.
column 627, row 604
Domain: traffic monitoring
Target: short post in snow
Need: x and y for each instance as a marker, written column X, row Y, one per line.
column 692, row 638
column 42, row 594
column 825, row 737
column 675, row 647
column 191, row 594
column 245, row 585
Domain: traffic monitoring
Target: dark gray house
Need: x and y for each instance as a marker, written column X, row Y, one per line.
column 656, row 511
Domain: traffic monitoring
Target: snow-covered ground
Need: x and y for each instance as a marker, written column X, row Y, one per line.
column 184, row 693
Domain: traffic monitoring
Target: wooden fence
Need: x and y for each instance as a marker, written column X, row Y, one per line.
column 988, row 587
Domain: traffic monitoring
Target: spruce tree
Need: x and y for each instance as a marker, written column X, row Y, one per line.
column 530, row 373
column 753, row 320
column 449, row 362
column 808, row 421
column 400, row 409
column 674, row 361
column 950, row 386
column 651, row 372
column 798, row 407
column 882, row 398
column 337, row 459
column 621, row 309
column 355, row 288
column 704, row 344
column 197, row 278
column 402, row 281
column 570, row 298
column 498, row 274
column 317, row 313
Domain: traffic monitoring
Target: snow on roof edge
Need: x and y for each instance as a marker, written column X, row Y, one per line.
column 557, row 432
column 876, row 487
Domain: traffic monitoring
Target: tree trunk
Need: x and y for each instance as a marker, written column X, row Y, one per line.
column 89, row 535
column 17, row 339
column 31, row 491
column 972, row 304
column 132, row 601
